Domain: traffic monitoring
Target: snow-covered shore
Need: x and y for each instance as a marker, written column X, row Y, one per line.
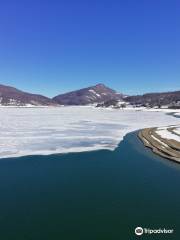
column 49, row 130
column 164, row 141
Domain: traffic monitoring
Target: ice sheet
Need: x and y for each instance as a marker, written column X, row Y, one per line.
column 32, row 131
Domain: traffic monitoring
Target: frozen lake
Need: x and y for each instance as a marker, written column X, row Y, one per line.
column 42, row 131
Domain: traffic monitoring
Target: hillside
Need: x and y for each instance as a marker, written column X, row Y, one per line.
column 169, row 99
column 95, row 94
column 10, row 96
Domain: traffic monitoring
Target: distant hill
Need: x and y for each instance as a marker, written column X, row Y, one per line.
column 10, row 96
column 99, row 94
column 95, row 94
column 170, row 99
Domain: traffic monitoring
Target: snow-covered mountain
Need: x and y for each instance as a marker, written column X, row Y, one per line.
column 10, row 96
column 100, row 95
column 95, row 94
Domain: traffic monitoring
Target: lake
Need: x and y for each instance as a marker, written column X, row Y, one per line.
column 54, row 130
column 89, row 195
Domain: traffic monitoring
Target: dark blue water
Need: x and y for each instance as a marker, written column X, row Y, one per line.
column 90, row 195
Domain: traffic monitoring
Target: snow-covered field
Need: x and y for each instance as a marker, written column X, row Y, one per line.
column 33, row 131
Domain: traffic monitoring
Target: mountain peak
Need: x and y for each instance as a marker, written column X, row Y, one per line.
column 90, row 95
column 100, row 85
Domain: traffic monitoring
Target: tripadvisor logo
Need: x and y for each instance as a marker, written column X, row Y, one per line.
column 139, row 231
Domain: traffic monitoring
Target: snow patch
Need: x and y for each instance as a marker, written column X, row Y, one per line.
column 162, row 143
column 164, row 133
column 92, row 91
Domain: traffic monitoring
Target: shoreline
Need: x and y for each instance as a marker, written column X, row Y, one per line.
column 166, row 148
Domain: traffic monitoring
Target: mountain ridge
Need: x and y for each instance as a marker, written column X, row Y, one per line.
column 11, row 96
column 98, row 94
column 171, row 98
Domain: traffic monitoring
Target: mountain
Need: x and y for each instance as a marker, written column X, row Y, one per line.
column 99, row 94
column 10, row 96
column 170, row 99
column 95, row 94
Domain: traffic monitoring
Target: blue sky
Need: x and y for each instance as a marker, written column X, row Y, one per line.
column 51, row 47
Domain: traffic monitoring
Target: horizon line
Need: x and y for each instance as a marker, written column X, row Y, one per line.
column 89, row 86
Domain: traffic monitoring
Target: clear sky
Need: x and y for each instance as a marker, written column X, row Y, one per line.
column 53, row 46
